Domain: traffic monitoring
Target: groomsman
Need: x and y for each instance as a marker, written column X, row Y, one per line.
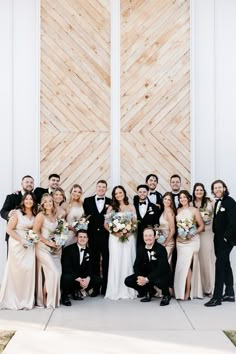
column 77, row 270
column 53, row 183
column 224, row 228
column 175, row 184
column 13, row 200
column 151, row 268
column 153, row 195
column 96, row 206
column 147, row 213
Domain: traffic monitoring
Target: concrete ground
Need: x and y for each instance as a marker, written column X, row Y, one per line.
column 97, row 326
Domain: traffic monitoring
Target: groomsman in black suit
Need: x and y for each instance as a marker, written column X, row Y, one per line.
column 175, row 184
column 53, row 183
column 96, row 206
column 224, row 228
column 13, row 200
column 77, row 270
column 153, row 195
column 151, row 268
column 147, row 213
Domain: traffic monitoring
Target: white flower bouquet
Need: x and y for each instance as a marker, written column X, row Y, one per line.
column 60, row 234
column 81, row 224
column 186, row 228
column 121, row 223
column 206, row 216
column 30, row 238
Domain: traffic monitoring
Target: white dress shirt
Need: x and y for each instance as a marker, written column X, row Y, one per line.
column 100, row 203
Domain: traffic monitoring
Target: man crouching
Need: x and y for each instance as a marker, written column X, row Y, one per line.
column 77, row 270
column 151, row 268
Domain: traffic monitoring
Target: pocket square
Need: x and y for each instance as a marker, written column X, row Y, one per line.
column 150, row 213
column 222, row 209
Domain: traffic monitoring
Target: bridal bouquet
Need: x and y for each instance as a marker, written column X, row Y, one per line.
column 206, row 216
column 60, row 234
column 160, row 237
column 121, row 223
column 30, row 238
column 186, row 228
column 81, row 224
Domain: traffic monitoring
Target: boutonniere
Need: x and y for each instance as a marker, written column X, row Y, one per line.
column 106, row 206
column 153, row 254
column 86, row 257
column 222, row 209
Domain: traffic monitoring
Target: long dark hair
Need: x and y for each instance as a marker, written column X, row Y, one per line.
column 187, row 195
column 169, row 194
column 205, row 199
column 34, row 206
column 115, row 203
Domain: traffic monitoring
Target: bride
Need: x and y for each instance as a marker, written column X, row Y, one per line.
column 121, row 255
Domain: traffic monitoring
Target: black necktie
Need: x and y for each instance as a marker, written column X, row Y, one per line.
column 100, row 198
column 142, row 203
column 151, row 193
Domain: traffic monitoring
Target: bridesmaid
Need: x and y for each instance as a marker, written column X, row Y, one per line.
column 59, row 198
column 187, row 281
column 48, row 256
column 167, row 224
column 74, row 210
column 18, row 286
column 206, row 252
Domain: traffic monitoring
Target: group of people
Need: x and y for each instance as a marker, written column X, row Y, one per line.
column 181, row 246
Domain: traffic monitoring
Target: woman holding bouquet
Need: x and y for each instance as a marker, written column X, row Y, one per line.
column 187, row 281
column 75, row 211
column 206, row 252
column 48, row 256
column 18, row 286
column 120, row 222
column 167, row 224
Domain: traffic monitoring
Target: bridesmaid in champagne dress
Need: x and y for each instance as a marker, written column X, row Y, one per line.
column 187, row 281
column 48, row 256
column 59, row 199
column 74, row 210
column 167, row 224
column 206, row 252
column 18, row 286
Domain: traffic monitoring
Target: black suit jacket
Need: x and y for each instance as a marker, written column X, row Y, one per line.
column 96, row 219
column 71, row 262
column 151, row 218
column 157, row 268
column 12, row 201
column 224, row 222
column 39, row 192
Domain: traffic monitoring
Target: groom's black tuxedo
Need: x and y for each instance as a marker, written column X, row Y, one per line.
column 224, row 228
column 72, row 269
column 151, row 218
column 98, row 237
column 39, row 192
column 12, row 201
column 156, row 269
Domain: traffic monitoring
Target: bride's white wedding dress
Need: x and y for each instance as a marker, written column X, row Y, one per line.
column 121, row 261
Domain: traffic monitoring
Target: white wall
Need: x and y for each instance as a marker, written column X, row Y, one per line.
column 214, row 94
column 19, row 93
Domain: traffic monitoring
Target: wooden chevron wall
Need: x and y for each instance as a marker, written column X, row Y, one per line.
column 155, row 99
column 75, row 91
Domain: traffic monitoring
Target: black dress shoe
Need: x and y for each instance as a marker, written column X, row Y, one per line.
column 165, row 300
column 213, row 302
column 77, row 297
column 94, row 294
column 147, row 298
column 229, row 298
column 66, row 301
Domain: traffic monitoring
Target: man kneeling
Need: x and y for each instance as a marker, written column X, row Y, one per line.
column 151, row 268
column 77, row 270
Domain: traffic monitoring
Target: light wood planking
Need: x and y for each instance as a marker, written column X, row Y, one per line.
column 75, row 91
column 155, row 100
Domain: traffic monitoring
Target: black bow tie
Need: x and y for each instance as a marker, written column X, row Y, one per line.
column 82, row 249
column 142, row 203
column 149, row 250
column 100, row 198
column 218, row 199
column 151, row 193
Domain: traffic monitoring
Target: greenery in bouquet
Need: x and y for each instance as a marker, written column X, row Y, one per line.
column 206, row 216
column 186, row 228
column 60, row 234
column 30, row 238
column 121, row 224
column 82, row 223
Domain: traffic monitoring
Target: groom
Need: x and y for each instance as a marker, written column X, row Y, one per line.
column 151, row 268
column 96, row 206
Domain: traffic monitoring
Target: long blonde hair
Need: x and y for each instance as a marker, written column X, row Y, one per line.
column 42, row 209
